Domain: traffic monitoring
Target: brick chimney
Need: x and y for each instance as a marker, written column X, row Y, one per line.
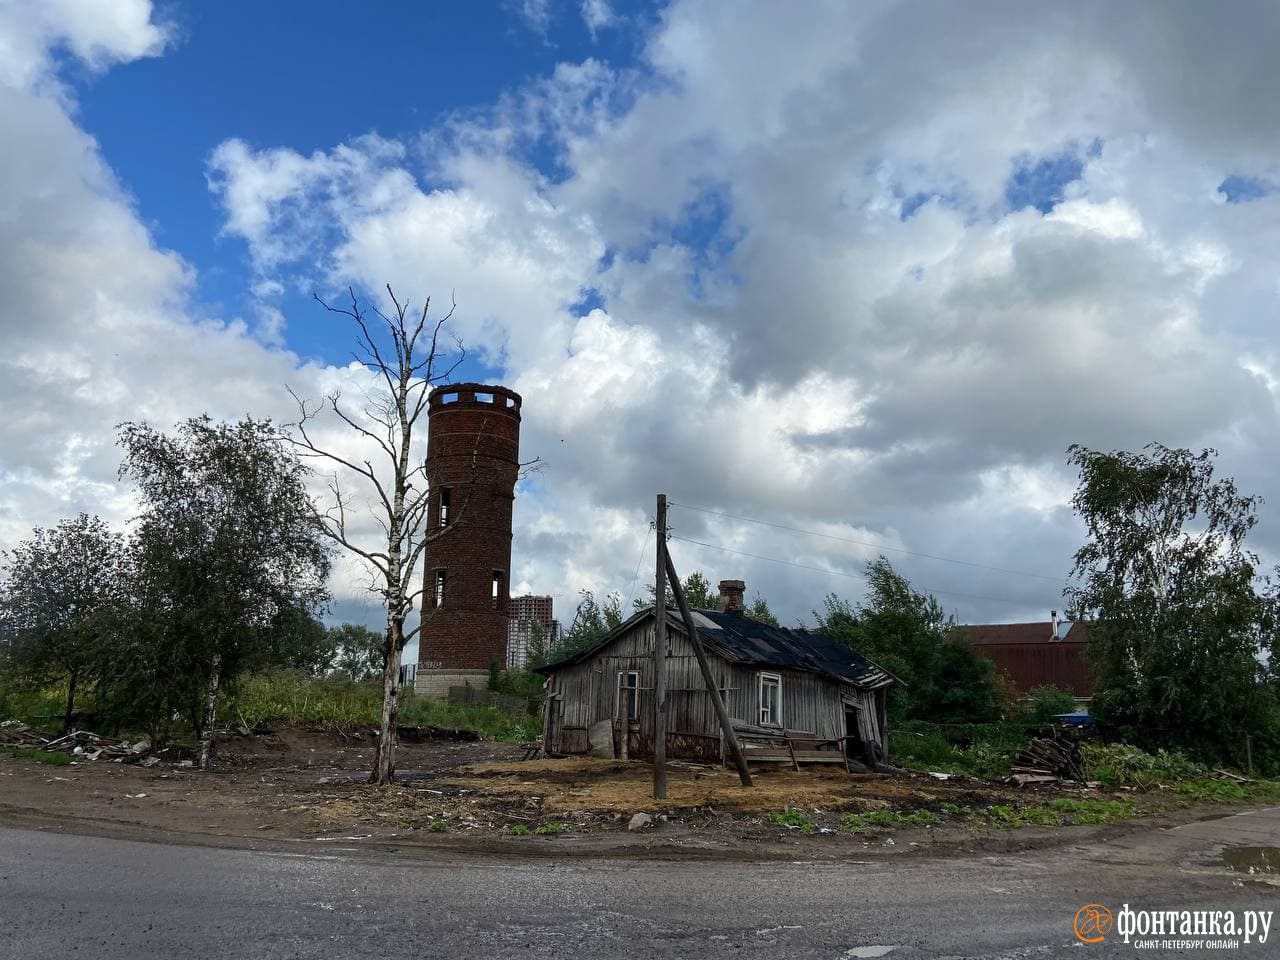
column 731, row 592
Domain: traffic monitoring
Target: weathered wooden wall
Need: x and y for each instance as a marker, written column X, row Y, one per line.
column 586, row 693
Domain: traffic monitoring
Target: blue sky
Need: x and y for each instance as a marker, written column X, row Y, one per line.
column 847, row 268
column 308, row 74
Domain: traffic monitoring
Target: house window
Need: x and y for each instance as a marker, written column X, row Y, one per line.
column 437, row 594
column 497, row 590
column 630, row 683
column 770, row 700
column 444, row 507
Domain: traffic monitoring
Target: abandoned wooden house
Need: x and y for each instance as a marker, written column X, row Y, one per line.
column 792, row 695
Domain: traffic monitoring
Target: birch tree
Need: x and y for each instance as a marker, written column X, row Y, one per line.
column 407, row 354
column 60, row 591
column 1182, row 625
column 225, row 556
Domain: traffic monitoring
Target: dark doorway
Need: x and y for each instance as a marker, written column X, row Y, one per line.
column 855, row 749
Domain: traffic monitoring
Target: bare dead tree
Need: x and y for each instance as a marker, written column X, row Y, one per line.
column 406, row 370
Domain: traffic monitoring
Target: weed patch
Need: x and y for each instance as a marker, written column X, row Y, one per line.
column 53, row 759
column 793, row 818
column 336, row 703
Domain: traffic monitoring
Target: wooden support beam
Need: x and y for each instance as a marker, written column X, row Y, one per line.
column 726, row 726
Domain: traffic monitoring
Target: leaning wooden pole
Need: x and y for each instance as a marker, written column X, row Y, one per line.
column 726, row 726
column 660, row 657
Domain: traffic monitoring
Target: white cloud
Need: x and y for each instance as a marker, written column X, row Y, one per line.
column 777, row 338
column 773, row 271
column 597, row 14
column 97, row 34
column 98, row 323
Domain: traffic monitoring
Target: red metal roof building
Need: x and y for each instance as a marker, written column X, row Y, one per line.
column 1048, row 653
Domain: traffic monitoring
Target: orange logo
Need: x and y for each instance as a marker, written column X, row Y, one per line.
column 1092, row 922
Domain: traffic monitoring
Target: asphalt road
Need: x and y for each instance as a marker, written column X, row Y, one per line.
column 67, row 896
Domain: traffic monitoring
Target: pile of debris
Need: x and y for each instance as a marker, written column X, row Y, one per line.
column 85, row 745
column 1047, row 760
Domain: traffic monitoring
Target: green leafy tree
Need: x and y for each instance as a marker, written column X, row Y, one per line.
column 759, row 611
column 589, row 626
column 905, row 632
column 358, row 651
column 1045, row 703
column 304, row 642
column 612, row 611
column 1180, row 626
column 62, row 590
column 697, row 591
column 539, row 652
column 227, row 553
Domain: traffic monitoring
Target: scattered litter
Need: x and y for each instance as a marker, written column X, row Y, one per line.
column 940, row 776
column 87, row 745
column 135, row 796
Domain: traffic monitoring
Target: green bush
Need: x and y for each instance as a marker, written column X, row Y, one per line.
column 553, row 829
column 1044, row 704
column 793, row 818
column 988, row 754
column 1123, row 765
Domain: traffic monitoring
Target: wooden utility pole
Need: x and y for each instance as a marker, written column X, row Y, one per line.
column 660, row 656
column 726, row 726
column 624, row 717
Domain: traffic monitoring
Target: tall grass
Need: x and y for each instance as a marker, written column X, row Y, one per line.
column 988, row 754
column 329, row 702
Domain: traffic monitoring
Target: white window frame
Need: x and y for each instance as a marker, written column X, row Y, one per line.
column 631, row 689
column 774, row 680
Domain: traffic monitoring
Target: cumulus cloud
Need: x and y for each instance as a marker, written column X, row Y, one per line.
column 97, row 34
column 98, row 323
column 864, row 271
column 861, row 268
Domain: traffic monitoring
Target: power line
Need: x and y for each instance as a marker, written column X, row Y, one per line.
column 639, row 560
column 865, row 543
column 838, row 573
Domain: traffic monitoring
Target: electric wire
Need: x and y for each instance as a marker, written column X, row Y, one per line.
column 639, row 560
column 864, row 543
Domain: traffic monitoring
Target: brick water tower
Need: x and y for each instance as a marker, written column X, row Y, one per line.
column 473, row 461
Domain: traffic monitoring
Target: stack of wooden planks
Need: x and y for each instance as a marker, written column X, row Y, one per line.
column 1046, row 759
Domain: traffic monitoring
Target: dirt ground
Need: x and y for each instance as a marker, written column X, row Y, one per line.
column 307, row 787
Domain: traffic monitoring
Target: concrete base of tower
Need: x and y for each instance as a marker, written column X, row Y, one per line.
column 435, row 683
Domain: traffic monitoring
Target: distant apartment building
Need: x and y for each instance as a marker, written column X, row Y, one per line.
column 525, row 612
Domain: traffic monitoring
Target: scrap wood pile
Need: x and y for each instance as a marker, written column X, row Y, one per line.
column 1045, row 760
column 84, row 745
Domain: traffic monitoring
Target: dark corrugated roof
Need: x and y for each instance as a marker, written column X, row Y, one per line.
column 742, row 640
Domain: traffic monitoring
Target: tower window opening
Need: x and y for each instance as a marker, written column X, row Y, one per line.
column 497, row 589
column 437, row 595
column 445, row 500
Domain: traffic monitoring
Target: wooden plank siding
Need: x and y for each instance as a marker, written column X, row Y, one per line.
column 583, row 694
